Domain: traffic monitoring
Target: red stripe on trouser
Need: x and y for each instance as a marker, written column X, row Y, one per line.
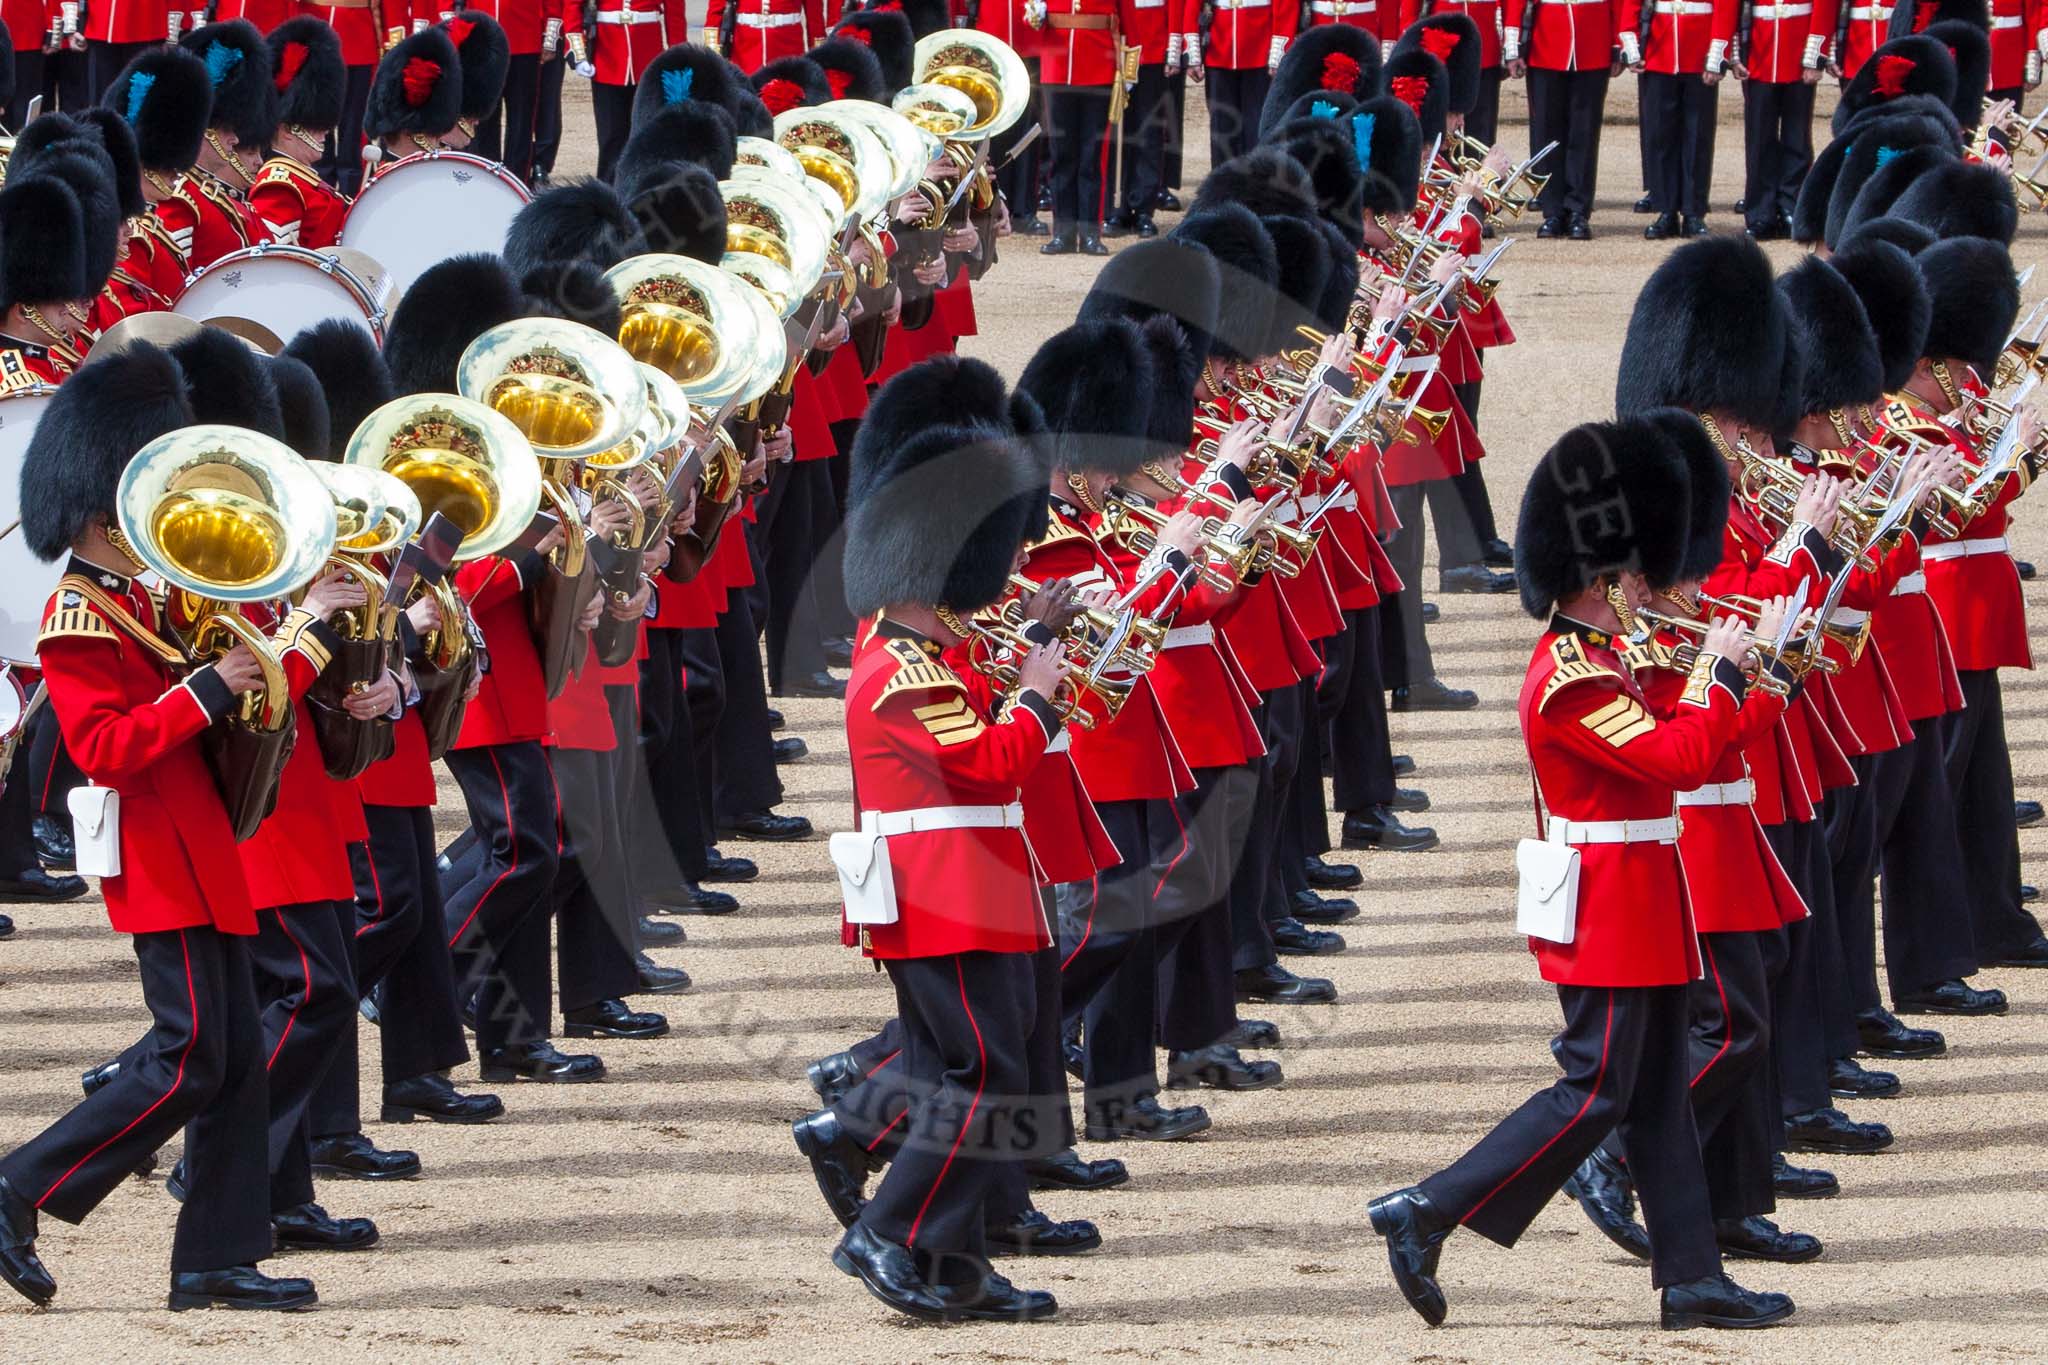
column 306, row 973
column 886, row 1131
column 1094, row 894
column 50, row 777
column 1606, row 1040
column 884, row 1062
column 1181, row 825
column 376, row 888
column 511, row 837
column 1727, row 1024
column 192, row 1002
column 967, row 1121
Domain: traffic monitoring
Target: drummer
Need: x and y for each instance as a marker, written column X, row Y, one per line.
column 211, row 204
column 54, row 257
column 297, row 207
column 486, row 57
column 415, row 97
column 165, row 96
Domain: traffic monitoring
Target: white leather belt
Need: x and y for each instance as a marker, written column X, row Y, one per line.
column 630, row 16
column 1338, row 9
column 1741, row 793
column 1848, row 618
column 928, row 818
column 1874, row 13
column 1664, row 831
column 2005, row 21
column 1243, row 4
column 1684, row 7
column 769, row 20
column 1181, row 636
column 1781, row 11
column 1148, row 4
column 1962, row 549
column 1909, row 584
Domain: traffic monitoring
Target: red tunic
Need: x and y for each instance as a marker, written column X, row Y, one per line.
column 1243, row 34
column 1684, row 37
column 513, row 705
column 207, row 220
column 130, row 21
column 1864, row 30
column 768, row 29
column 1599, row 754
column 296, row 206
column 630, row 34
column 131, row 725
column 1783, row 40
column 1565, row 35
column 361, row 42
column 918, row 738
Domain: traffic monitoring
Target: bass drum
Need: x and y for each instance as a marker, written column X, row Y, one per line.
column 423, row 209
column 25, row 581
column 269, row 294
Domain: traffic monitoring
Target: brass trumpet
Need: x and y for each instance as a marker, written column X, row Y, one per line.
column 1136, row 526
column 995, row 641
column 1773, row 489
column 1108, row 639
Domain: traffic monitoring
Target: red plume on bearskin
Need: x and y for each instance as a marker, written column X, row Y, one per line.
column 1439, row 43
column 1340, row 73
column 1891, row 75
column 420, row 78
column 459, row 29
column 1410, row 90
column 781, row 96
column 288, row 63
column 840, row 81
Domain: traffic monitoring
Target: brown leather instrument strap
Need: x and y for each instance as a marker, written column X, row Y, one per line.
column 118, row 614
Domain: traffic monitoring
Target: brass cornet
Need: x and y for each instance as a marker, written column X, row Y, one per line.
column 1107, row 639
column 1136, row 526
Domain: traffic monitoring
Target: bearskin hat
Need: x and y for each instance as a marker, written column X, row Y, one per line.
column 941, row 482
column 1167, row 277
column 1895, row 301
column 1917, row 16
column 926, row 16
column 679, row 209
column 574, row 290
column 692, row 133
column 1305, row 265
column 344, row 361
column 685, row 74
column 1962, row 199
column 1176, row 369
column 1840, row 365
column 1388, row 139
column 575, row 220
column 791, row 83
column 1975, row 298
column 118, row 140
column 1312, row 104
column 1875, row 196
column 238, row 67
column 229, row 382
column 1877, row 146
column 1910, row 238
column 44, row 251
column 113, row 406
column 1708, row 490
column 1264, row 180
column 887, row 37
column 304, row 407
column 1323, row 147
column 1971, row 49
column 1340, row 285
column 1419, row 81
column 165, row 95
column 1452, row 39
column 309, row 73
column 417, row 88
column 1935, row 111
column 485, row 55
column 851, row 69
column 1608, row 496
column 1247, row 272
column 1708, row 333
column 1340, row 58
column 84, row 167
column 451, row 304
column 1913, row 65
column 1084, row 379
column 750, row 117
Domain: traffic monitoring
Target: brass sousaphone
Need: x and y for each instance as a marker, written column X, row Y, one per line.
column 375, row 514
column 227, row 517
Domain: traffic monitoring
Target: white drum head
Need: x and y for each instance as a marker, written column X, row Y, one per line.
column 420, row 211
column 25, row 582
column 279, row 291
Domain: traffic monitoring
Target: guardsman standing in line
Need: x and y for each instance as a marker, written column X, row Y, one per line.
column 1079, row 66
column 506, row 133
column 1679, row 51
column 1236, row 58
column 1781, row 48
column 416, row 97
column 133, row 717
column 941, row 494
column 1147, row 26
column 1567, row 50
column 1606, row 771
column 627, row 35
column 355, row 22
column 485, row 58
column 296, row 205
column 754, row 33
column 213, row 201
column 118, row 32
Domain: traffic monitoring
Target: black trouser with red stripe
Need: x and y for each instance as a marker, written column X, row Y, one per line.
column 668, row 840
column 396, row 929
column 507, row 135
column 200, row 1068
column 1197, row 1004
column 1852, row 853
column 1251, row 937
column 300, row 960
column 1928, row 935
column 744, row 780
column 965, row 1019
column 1077, row 127
column 594, row 905
column 1625, row 1052
column 1979, row 766
column 1799, row 1029
column 1351, row 700
column 497, row 906
column 1734, row 1100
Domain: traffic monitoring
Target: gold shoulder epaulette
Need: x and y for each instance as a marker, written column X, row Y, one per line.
column 1060, row 529
column 283, row 171
column 916, row 672
column 73, row 619
column 1572, row 667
